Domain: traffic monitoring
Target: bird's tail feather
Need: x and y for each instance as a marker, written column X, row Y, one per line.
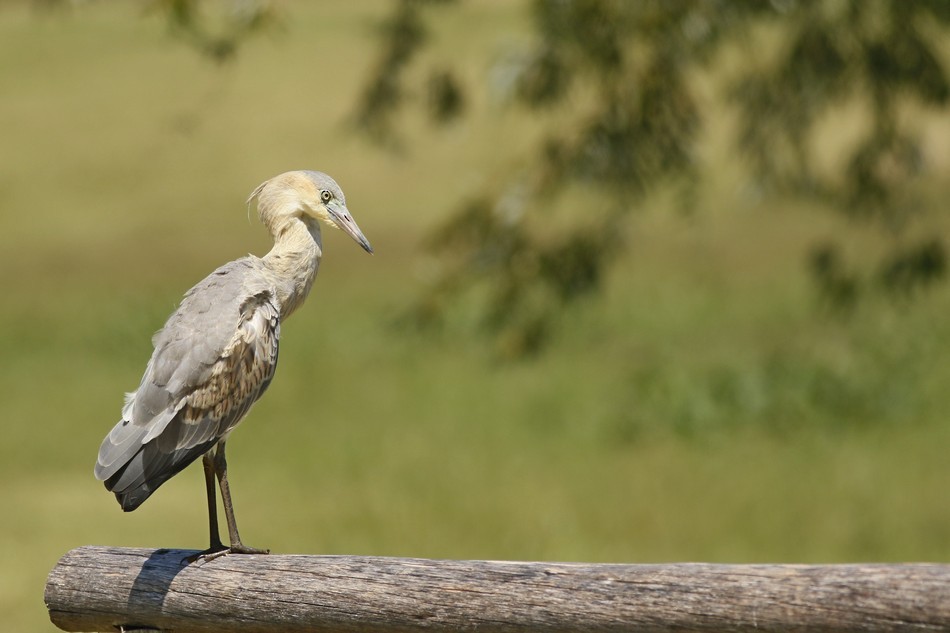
column 148, row 469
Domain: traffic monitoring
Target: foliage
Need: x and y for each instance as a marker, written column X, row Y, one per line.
column 216, row 35
column 403, row 35
column 880, row 58
column 630, row 65
column 216, row 31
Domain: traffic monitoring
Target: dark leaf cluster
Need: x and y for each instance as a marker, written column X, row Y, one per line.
column 875, row 58
column 403, row 34
column 216, row 33
column 637, row 130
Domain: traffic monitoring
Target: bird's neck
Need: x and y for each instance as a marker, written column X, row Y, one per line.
column 292, row 263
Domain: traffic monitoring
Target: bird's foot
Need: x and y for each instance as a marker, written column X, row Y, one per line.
column 217, row 551
column 241, row 548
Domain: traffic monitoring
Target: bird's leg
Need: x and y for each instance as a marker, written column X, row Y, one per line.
column 221, row 470
column 216, row 546
column 207, row 461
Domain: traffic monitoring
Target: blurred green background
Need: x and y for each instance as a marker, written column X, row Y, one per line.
column 703, row 406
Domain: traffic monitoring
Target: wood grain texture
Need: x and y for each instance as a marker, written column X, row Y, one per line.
column 103, row 588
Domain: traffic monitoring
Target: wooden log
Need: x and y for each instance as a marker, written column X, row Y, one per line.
column 113, row 589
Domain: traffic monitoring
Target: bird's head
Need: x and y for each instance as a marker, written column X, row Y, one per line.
column 306, row 193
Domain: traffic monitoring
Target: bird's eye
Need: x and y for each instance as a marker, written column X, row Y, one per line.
column 325, row 195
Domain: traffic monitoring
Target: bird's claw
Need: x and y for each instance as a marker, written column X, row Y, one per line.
column 241, row 548
column 205, row 555
column 217, row 551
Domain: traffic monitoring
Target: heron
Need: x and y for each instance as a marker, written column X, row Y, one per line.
column 217, row 353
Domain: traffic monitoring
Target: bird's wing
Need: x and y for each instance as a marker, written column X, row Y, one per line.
column 215, row 356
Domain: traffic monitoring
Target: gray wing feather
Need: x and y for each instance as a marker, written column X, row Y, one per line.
column 213, row 359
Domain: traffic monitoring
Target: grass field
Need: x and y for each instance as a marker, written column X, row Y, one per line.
column 703, row 408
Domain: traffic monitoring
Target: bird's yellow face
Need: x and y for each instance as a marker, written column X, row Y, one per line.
column 309, row 192
column 330, row 208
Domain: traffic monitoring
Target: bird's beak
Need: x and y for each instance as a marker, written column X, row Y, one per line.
column 342, row 218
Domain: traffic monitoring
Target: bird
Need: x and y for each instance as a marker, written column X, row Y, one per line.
column 217, row 353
